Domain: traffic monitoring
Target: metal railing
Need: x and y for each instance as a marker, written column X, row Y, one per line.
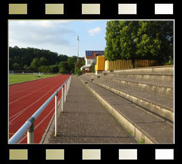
column 28, row 126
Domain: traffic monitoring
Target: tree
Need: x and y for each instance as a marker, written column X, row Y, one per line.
column 29, row 54
column 155, row 40
column 44, row 69
column 63, row 70
column 61, row 58
column 71, row 63
column 11, row 62
column 128, row 36
column 35, row 64
column 63, row 67
column 112, row 50
column 80, row 63
column 34, row 59
column 16, row 66
column 139, row 40
column 120, row 40
column 43, row 61
column 54, row 68
column 26, row 67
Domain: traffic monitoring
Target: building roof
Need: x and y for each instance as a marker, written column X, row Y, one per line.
column 90, row 57
column 92, row 54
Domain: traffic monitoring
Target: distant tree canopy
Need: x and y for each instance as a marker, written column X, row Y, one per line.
column 40, row 60
column 139, row 40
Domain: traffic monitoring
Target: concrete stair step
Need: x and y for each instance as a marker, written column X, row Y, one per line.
column 162, row 78
column 140, row 123
column 145, row 70
column 158, row 105
column 158, row 88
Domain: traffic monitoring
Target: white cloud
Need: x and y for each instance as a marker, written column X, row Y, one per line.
column 34, row 33
column 42, row 23
column 94, row 31
column 53, row 23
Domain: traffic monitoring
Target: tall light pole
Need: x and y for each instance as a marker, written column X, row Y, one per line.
column 78, row 48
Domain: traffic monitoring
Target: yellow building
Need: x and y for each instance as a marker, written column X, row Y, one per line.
column 100, row 63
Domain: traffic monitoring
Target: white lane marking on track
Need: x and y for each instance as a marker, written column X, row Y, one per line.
column 32, row 103
column 28, row 94
column 22, row 111
column 38, row 124
column 26, row 87
column 19, row 113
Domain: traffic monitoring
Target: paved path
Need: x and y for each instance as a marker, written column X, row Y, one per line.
column 85, row 120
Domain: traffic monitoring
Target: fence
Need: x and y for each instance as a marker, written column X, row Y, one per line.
column 28, row 126
column 145, row 63
column 21, row 71
column 127, row 64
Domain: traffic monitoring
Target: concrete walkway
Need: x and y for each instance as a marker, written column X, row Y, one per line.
column 85, row 120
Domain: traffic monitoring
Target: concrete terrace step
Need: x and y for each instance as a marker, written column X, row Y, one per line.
column 141, row 124
column 158, row 105
column 158, row 80
column 158, row 88
column 163, row 78
column 148, row 70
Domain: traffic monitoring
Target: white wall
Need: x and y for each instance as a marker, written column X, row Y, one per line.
column 89, row 61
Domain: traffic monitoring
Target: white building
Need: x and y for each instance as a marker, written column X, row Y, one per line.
column 90, row 57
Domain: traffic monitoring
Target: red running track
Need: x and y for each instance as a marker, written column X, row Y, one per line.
column 26, row 98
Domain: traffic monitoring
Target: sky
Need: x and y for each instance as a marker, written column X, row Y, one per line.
column 58, row 35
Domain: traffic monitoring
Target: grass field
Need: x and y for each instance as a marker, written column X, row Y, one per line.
column 14, row 79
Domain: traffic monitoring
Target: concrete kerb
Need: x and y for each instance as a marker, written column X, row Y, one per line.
column 138, row 134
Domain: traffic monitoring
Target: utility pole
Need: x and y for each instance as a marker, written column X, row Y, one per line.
column 22, row 62
column 78, row 48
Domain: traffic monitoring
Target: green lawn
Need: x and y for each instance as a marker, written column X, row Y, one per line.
column 13, row 79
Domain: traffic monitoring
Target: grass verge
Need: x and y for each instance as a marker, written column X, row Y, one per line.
column 14, row 79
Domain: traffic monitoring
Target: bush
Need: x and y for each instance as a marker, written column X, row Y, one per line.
column 78, row 72
column 93, row 67
column 63, row 70
column 44, row 69
column 16, row 66
column 170, row 62
column 54, row 68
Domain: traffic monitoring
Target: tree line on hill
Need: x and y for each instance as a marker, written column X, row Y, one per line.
column 44, row 61
column 139, row 40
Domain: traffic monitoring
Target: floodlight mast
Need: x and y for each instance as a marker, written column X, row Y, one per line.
column 78, row 48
